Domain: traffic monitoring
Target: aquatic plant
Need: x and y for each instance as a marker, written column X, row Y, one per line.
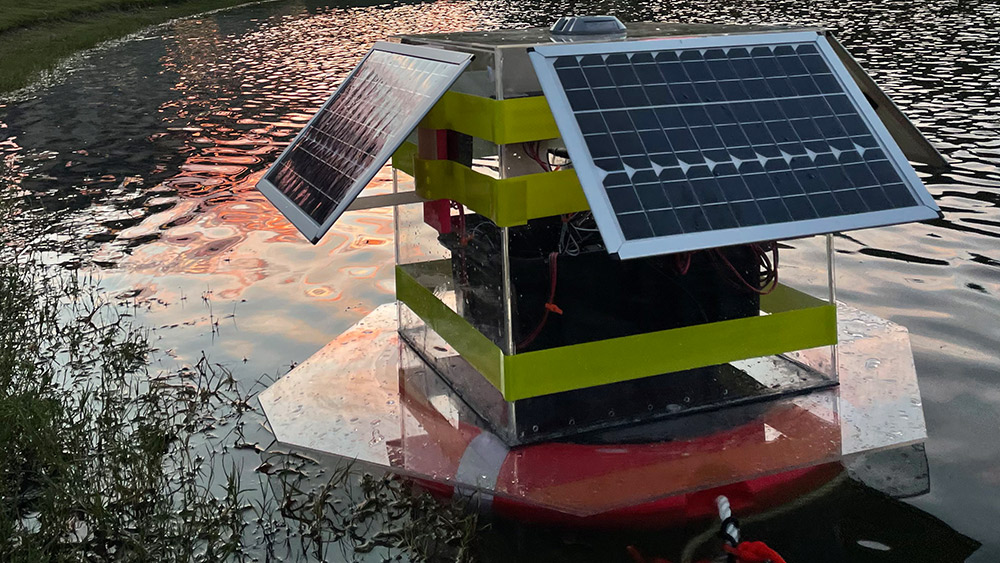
column 353, row 513
column 104, row 460
column 98, row 460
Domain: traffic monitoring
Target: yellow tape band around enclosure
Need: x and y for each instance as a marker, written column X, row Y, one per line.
column 502, row 122
column 796, row 321
column 507, row 202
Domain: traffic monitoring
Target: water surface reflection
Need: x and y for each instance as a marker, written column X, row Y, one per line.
column 146, row 156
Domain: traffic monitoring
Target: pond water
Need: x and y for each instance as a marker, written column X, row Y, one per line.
column 144, row 155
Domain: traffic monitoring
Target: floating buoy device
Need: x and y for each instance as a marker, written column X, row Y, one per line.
column 590, row 326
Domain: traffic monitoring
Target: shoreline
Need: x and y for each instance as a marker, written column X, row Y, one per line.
column 30, row 49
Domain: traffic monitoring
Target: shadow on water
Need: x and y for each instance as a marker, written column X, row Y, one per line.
column 142, row 160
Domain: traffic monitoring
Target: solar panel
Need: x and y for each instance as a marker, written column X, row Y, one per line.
column 356, row 131
column 683, row 144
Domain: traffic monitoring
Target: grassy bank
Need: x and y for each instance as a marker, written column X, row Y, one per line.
column 36, row 34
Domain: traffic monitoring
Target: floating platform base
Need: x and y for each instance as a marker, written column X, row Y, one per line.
column 368, row 398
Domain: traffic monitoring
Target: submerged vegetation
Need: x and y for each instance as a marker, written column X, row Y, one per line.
column 36, row 34
column 104, row 460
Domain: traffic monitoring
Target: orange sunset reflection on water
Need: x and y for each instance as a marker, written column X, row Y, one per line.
column 213, row 240
column 141, row 157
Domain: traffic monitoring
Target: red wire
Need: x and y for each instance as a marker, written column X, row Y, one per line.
column 463, row 240
column 550, row 306
column 683, row 261
column 533, row 151
column 463, row 237
column 770, row 266
column 768, row 281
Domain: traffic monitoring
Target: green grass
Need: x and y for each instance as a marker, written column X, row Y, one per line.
column 36, row 34
column 14, row 14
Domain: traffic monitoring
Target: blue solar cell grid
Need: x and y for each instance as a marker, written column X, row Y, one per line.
column 708, row 139
column 349, row 133
column 356, row 131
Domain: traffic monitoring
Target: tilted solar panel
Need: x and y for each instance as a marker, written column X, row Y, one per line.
column 356, row 131
column 682, row 144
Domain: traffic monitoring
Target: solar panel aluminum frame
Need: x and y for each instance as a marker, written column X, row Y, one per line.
column 313, row 230
column 591, row 176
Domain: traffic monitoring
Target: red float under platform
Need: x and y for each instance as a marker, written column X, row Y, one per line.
column 368, row 399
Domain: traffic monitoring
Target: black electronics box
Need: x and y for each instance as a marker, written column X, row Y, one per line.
column 597, row 296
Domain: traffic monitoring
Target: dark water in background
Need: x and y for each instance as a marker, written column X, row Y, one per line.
column 146, row 154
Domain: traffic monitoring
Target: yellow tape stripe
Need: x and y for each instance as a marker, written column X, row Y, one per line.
column 797, row 322
column 502, row 122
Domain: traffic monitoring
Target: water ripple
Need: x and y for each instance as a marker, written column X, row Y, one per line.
column 146, row 157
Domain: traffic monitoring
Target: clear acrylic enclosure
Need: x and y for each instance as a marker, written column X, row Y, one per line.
column 550, row 286
column 546, row 335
